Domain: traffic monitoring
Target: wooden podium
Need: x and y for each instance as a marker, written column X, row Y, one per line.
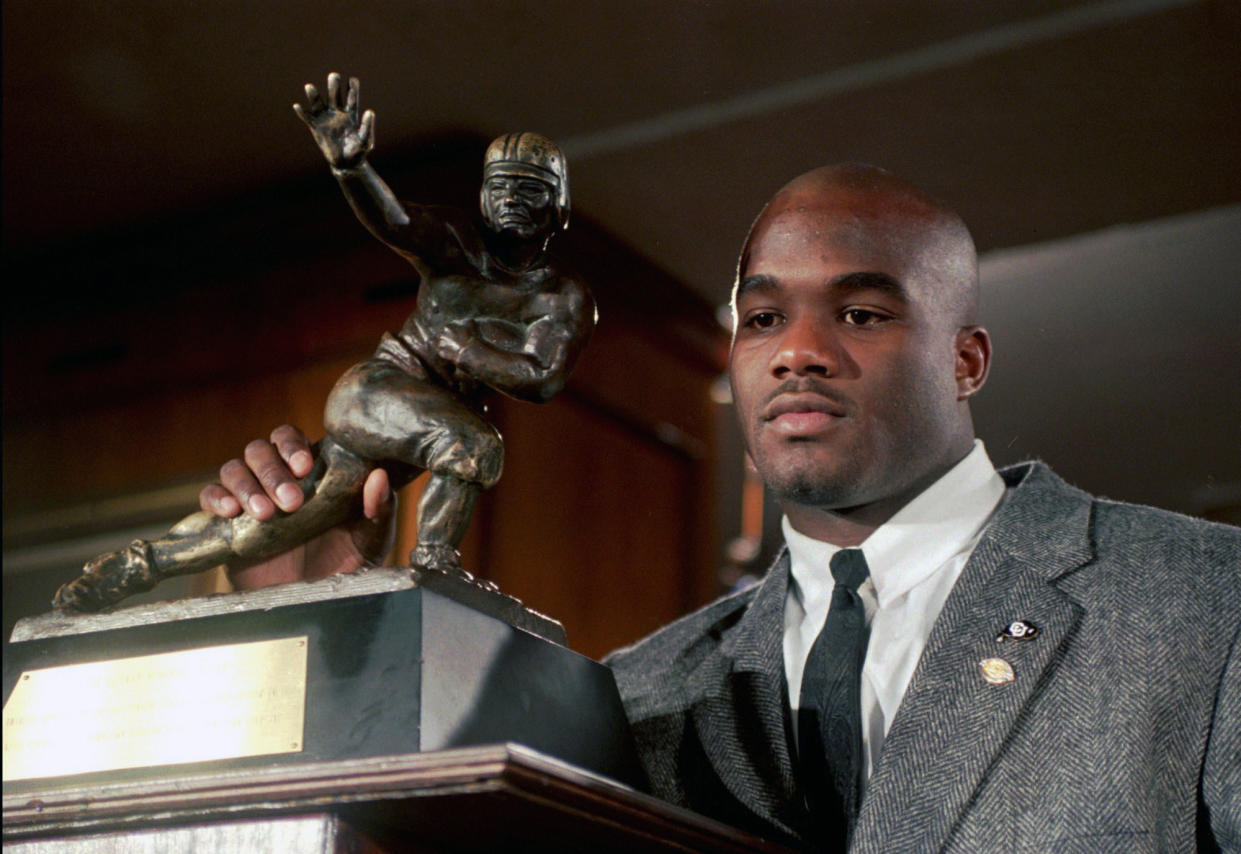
column 373, row 714
column 490, row 798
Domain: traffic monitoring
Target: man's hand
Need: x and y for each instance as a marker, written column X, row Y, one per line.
column 266, row 480
column 341, row 136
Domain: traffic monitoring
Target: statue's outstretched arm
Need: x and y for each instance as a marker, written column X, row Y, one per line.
column 345, row 138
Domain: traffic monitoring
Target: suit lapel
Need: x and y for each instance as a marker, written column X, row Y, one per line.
column 739, row 717
column 952, row 723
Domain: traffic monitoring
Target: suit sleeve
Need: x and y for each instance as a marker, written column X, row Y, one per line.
column 1221, row 772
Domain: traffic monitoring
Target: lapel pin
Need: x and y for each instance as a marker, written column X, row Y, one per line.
column 1018, row 630
column 996, row 671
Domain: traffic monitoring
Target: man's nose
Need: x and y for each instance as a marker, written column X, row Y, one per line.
column 807, row 348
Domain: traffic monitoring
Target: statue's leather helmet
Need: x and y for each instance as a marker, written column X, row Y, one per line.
column 531, row 155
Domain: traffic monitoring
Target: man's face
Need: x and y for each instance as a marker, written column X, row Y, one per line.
column 518, row 204
column 843, row 362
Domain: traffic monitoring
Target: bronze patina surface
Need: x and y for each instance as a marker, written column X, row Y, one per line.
column 493, row 311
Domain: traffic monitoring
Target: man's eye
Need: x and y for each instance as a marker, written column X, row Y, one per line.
column 762, row 320
column 861, row 317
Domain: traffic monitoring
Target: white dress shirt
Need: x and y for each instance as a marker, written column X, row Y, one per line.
column 914, row 558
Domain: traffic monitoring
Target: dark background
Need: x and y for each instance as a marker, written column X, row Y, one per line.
column 182, row 273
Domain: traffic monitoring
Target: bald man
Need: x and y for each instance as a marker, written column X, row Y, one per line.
column 1032, row 669
column 945, row 657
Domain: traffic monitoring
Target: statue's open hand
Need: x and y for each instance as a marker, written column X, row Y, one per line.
column 344, row 139
column 266, row 479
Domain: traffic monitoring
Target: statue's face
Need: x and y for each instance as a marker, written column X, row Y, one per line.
column 518, row 204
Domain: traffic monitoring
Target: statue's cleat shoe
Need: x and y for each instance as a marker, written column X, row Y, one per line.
column 439, row 558
column 108, row 579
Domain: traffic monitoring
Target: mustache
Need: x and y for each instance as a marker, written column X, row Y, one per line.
column 808, row 385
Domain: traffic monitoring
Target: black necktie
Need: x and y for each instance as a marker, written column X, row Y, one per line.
column 829, row 720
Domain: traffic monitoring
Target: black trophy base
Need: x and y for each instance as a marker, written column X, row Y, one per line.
column 397, row 662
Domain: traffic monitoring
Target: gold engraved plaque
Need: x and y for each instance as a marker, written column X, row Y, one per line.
column 219, row 702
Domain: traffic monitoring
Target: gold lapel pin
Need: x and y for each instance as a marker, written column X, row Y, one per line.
column 996, row 671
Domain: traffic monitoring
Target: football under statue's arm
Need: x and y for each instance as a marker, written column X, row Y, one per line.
column 530, row 361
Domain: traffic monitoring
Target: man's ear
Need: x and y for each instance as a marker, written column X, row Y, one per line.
column 973, row 360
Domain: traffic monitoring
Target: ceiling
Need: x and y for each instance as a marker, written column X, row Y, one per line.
column 1037, row 119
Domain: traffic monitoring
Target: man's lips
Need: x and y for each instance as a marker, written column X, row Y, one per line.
column 801, row 412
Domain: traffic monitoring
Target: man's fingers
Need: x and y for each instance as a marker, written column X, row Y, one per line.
column 376, row 496
column 216, row 499
column 294, row 449
column 237, row 478
column 366, row 129
column 373, row 538
column 277, row 481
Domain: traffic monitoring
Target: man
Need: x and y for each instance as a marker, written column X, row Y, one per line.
column 945, row 658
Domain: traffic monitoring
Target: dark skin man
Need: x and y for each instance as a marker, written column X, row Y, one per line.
column 1065, row 675
column 856, row 350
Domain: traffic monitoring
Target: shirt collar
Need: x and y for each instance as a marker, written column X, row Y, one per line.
column 941, row 521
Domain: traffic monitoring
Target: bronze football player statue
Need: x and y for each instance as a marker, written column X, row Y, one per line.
column 493, row 311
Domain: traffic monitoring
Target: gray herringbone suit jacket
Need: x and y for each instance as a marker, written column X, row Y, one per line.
column 1121, row 731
